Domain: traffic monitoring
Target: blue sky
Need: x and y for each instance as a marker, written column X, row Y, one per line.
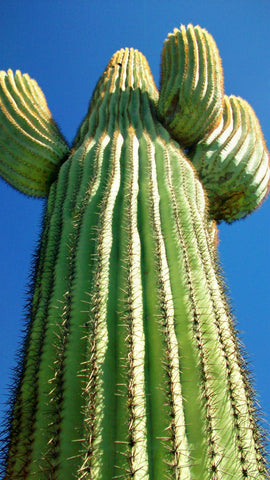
column 65, row 46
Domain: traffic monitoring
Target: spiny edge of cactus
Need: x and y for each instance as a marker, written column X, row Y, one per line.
column 17, row 369
column 259, row 421
column 241, row 363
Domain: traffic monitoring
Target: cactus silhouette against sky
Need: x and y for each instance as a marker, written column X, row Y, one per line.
column 131, row 367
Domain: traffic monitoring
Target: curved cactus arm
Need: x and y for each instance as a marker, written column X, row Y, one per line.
column 191, row 90
column 31, row 145
column 233, row 162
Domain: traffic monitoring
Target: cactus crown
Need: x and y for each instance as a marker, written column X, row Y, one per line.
column 223, row 135
column 126, row 81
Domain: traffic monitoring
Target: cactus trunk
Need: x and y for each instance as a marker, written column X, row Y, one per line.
column 131, row 365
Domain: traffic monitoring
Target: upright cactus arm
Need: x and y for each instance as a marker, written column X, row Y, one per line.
column 191, row 88
column 31, row 146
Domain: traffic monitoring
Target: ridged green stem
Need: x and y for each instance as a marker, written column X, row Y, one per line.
column 131, row 366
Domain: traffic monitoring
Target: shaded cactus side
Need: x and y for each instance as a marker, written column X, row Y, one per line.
column 131, row 365
column 233, row 162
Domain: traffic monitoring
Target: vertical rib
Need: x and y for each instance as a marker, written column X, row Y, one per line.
column 26, row 404
column 179, row 446
column 98, row 337
column 138, row 457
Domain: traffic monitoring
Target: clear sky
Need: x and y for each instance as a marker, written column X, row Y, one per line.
column 65, row 46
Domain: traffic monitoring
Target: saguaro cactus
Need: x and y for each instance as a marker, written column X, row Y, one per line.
column 131, row 366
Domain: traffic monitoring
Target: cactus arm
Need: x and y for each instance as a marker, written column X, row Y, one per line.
column 31, row 146
column 227, row 145
column 191, row 88
column 233, row 162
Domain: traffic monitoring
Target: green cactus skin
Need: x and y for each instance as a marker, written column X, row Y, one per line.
column 131, row 365
column 233, row 162
column 191, row 88
column 31, row 145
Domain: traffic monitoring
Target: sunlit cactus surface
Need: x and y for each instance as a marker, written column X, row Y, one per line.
column 131, row 367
